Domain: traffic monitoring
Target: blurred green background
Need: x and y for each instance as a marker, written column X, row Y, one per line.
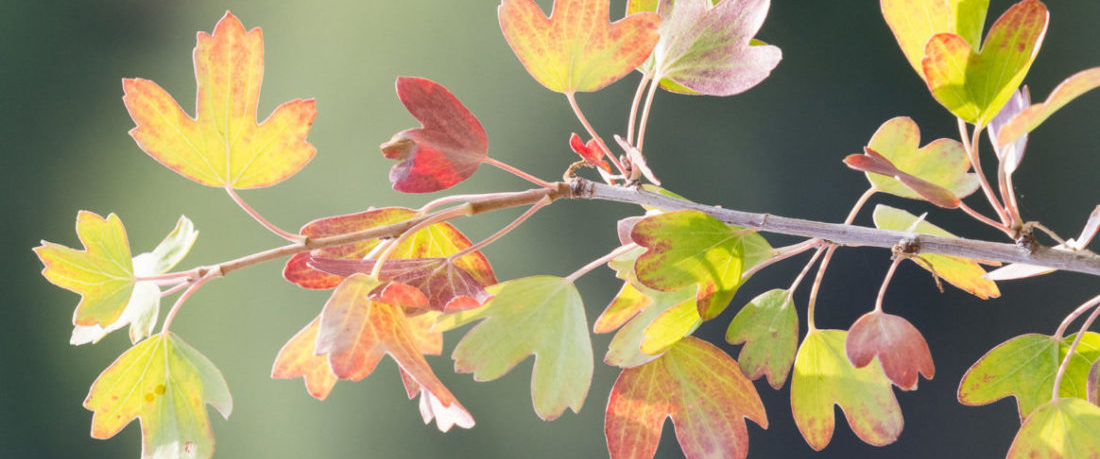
column 776, row 148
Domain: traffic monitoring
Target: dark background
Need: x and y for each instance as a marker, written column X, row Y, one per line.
column 776, row 148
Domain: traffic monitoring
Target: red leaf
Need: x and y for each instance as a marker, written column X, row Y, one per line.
column 590, row 151
column 899, row 346
column 871, row 161
column 448, row 288
column 446, row 150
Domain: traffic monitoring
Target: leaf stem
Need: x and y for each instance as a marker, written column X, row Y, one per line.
column 497, row 235
column 518, row 173
column 600, row 261
column 260, row 219
column 802, row 274
column 1061, row 331
column 645, row 113
column 886, row 281
column 812, row 305
column 982, row 218
column 1095, row 301
column 572, row 98
column 187, row 294
column 634, row 108
column 781, row 254
column 174, row 289
column 971, row 147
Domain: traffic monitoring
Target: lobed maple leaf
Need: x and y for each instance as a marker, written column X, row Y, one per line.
column 298, row 358
column 700, row 388
column 590, row 151
column 445, row 150
column 914, row 22
column 1031, row 117
column 167, row 384
column 768, row 326
column 447, row 287
column 1059, row 429
column 547, row 312
column 223, row 146
column 898, row 345
column 576, row 48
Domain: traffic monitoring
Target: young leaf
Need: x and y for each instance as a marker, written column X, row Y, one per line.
column 590, row 151
column 356, row 330
column 1024, row 367
column 541, row 316
column 144, row 305
column 975, row 85
column 914, row 22
column 445, row 150
column 102, row 274
column 298, row 359
column 438, row 240
column 576, row 48
column 687, row 248
column 223, row 146
column 1011, row 153
column 824, row 377
column 872, row 162
column 768, row 326
column 1060, row 429
column 167, row 384
column 447, row 287
column 963, row 273
column 1031, row 117
column 705, row 47
column 899, row 346
column 700, row 388
column 942, row 162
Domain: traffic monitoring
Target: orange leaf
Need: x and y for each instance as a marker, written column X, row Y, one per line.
column 223, row 146
column 296, row 358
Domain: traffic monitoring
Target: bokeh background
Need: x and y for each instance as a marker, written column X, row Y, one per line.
column 776, row 148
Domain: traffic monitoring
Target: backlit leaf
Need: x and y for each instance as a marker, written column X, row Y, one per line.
column 447, row 287
column 975, row 85
column 824, row 377
column 435, row 241
column 297, row 359
column 590, row 151
column 576, row 48
column 1031, row 117
column 963, row 273
column 102, row 274
column 1011, row 153
column 652, row 329
column 700, row 388
column 445, row 150
column 1024, row 367
column 1064, row 428
column 898, row 345
column 768, row 327
column 223, row 146
column 626, row 304
column 541, row 316
column 690, row 248
column 942, row 162
column 705, row 47
column 876, row 165
column 914, row 22
column 167, row 384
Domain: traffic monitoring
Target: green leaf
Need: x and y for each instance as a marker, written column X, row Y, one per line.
column 690, row 248
column 975, row 85
column 914, row 22
column 654, row 330
column 1024, row 367
column 963, row 273
column 1063, row 428
column 700, row 388
column 167, row 384
column 541, row 316
column 942, row 162
column 824, row 377
column 768, row 326
column 1031, row 117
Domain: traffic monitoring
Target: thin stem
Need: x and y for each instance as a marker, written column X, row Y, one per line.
column 518, row 173
column 260, row 218
column 1008, row 197
column 817, row 286
column 443, row 215
column 176, row 288
column 187, row 294
column 645, row 114
column 511, row 226
column 886, row 282
column 863, row 198
column 1061, row 331
column 600, row 261
column 781, row 254
column 1076, row 340
column 982, row 218
column 165, row 277
column 802, row 274
column 572, row 98
column 971, row 147
column 634, row 108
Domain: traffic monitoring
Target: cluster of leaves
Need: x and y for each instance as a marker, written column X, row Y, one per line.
column 398, row 296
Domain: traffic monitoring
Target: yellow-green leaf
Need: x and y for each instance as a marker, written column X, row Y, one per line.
column 942, row 162
column 102, row 274
column 914, row 22
column 768, row 326
column 1064, row 428
column 167, row 384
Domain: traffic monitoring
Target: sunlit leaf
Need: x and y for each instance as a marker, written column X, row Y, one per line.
column 963, row 273
column 624, row 306
column 541, row 316
column 1092, row 384
column 700, row 388
column 298, row 359
column 1024, row 367
column 167, row 384
column 914, row 22
column 942, row 162
column 102, row 274
column 436, row 241
column 590, row 151
column 975, row 85
column 876, row 165
column 1011, row 153
column 223, row 146
column 576, row 48
column 898, row 345
column 448, row 288
column 824, row 377
column 1031, row 117
column 1064, row 428
column 445, row 150
column 690, row 248
column 768, row 327
column 705, row 47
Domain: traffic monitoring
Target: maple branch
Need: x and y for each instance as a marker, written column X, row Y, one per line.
column 1095, row 301
column 260, row 219
column 507, row 229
